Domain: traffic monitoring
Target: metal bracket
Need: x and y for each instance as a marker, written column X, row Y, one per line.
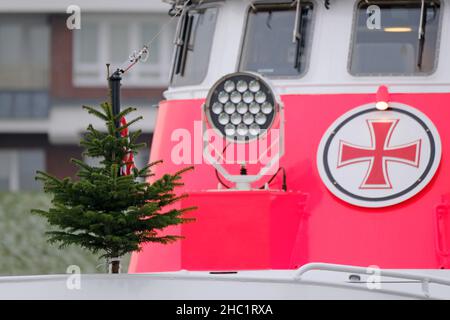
column 243, row 182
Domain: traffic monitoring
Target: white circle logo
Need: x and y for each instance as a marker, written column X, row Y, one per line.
column 373, row 158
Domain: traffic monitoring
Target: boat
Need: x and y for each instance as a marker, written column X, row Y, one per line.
column 318, row 131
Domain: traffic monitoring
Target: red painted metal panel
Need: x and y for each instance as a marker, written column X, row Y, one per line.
column 222, row 239
column 399, row 236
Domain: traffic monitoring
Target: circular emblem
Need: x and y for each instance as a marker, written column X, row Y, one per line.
column 373, row 158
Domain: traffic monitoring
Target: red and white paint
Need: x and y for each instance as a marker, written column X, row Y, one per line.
column 320, row 226
column 374, row 158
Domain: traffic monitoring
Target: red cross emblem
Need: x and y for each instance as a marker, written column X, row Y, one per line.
column 379, row 154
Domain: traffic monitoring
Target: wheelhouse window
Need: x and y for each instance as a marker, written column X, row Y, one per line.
column 395, row 38
column 193, row 43
column 277, row 39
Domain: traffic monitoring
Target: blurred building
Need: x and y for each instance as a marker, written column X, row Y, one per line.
column 47, row 72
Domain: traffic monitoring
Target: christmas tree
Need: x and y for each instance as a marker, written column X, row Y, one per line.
column 107, row 211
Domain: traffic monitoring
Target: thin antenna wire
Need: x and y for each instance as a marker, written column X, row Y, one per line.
column 165, row 25
column 144, row 53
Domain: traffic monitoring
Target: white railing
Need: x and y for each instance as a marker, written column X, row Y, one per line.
column 425, row 280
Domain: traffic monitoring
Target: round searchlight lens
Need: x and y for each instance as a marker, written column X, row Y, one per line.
column 241, row 106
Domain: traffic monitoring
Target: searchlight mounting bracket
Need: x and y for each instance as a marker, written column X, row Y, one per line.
column 243, row 181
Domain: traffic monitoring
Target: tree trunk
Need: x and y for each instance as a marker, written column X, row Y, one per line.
column 115, row 266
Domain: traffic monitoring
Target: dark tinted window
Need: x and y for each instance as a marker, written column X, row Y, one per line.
column 268, row 46
column 193, row 46
column 387, row 41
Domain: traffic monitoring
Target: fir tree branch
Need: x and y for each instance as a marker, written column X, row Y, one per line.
column 96, row 113
column 125, row 112
column 130, row 123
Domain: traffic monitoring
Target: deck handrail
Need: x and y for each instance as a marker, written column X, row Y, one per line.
column 425, row 280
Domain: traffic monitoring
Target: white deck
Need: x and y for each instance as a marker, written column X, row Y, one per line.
column 313, row 281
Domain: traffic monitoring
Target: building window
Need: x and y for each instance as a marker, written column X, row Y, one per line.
column 24, row 52
column 269, row 48
column 24, row 65
column 111, row 39
column 388, row 40
column 193, row 46
column 18, row 169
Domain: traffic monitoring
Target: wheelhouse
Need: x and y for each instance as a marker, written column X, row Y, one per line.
column 313, row 44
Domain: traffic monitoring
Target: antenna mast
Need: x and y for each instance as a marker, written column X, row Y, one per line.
column 116, row 78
